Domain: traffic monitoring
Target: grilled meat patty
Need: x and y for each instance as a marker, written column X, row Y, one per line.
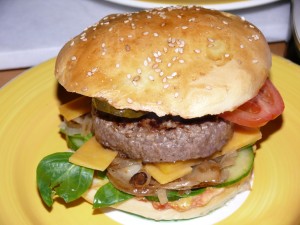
column 161, row 139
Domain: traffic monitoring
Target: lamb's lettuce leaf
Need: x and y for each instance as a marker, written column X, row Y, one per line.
column 56, row 176
column 108, row 195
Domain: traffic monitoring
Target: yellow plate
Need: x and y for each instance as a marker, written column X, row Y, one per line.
column 29, row 131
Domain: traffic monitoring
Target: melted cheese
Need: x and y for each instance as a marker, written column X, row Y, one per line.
column 163, row 177
column 75, row 108
column 92, row 155
column 242, row 136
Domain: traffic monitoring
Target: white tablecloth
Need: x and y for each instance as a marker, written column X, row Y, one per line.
column 33, row 31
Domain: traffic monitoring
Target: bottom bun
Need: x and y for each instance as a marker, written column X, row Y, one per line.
column 145, row 208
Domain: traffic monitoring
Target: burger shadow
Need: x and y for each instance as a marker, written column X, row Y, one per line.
column 270, row 128
column 64, row 96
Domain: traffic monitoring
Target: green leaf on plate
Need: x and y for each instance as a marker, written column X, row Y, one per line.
column 108, row 195
column 56, row 176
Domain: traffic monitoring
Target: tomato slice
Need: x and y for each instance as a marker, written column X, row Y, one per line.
column 265, row 106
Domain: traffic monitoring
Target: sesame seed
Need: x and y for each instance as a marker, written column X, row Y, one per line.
column 89, row 73
column 158, row 60
column 241, row 46
column 225, row 22
column 184, row 27
column 117, row 65
column 155, row 66
column 151, row 77
column 176, row 94
column 139, row 71
column 73, row 58
column 130, row 36
column 226, row 55
column 145, row 63
column 166, row 86
column 110, row 29
column 84, row 89
column 181, row 61
column 211, row 40
column 174, row 74
column 169, row 64
column 129, row 100
column 128, row 75
column 255, row 37
column 251, row 26
column 72, row 43
column 146, row 33
column 254, row 61
column 197, row 51
column 155, row 34
column 164, row 80
column 208, row 87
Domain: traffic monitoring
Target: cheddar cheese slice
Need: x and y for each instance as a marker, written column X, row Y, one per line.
column 242, row 136
column 92, row 155
column 75, row 108
column 163, row 177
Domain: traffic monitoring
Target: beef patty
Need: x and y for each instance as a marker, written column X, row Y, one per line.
column 161, row 139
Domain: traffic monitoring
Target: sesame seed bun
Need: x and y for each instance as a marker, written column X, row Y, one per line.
column 186, row 61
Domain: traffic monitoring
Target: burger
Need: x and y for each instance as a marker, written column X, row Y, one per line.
column 173, row 101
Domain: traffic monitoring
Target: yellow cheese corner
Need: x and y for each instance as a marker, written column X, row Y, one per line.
column 75, row 108
column 242, row 136
column 163, row 177
column 92, row 155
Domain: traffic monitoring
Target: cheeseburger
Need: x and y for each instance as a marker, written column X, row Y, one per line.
column 174, row 99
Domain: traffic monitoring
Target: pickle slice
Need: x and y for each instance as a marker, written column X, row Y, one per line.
column 104, row 106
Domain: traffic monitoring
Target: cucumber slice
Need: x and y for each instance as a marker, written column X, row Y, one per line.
column 242, row 167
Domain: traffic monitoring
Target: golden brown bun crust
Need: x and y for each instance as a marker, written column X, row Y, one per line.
column 186, row 61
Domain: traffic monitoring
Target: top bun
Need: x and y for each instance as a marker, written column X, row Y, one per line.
column 186, row 61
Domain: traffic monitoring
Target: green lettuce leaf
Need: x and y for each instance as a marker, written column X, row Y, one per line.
column 108, row 195
column 57, row 176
